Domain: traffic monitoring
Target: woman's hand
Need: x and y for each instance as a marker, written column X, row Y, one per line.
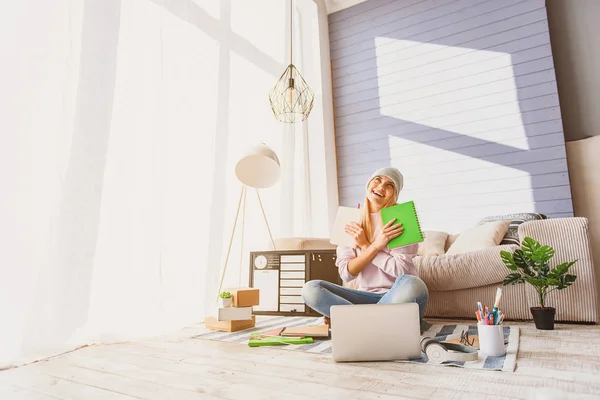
column 387, row 233
column 358, row 233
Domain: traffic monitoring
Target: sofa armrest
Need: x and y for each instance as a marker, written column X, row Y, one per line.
column 570, row 239
column 462, row 271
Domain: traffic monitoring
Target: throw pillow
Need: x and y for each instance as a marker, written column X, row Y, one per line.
column 512, row 233
column 450, row 240
column 433, row 245
column 479, row 237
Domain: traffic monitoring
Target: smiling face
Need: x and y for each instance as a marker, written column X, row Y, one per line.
column 380, row 192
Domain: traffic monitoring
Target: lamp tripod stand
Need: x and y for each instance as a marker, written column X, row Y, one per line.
column 237, row 214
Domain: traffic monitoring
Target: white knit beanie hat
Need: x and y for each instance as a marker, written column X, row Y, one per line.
column 393, row 174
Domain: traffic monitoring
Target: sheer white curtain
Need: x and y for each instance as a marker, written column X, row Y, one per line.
column 121, row 121
column 309, row 147
column 297, row 206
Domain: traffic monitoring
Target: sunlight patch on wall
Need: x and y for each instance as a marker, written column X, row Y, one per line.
column 263, row 26
column 444, row 87
column 212, row 8
column 460, row 114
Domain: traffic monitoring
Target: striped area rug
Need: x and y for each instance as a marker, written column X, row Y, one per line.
column 440, row 332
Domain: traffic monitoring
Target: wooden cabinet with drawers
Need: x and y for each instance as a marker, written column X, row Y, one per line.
column 280, row 276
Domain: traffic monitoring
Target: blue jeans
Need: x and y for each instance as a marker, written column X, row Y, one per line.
column 321, row 295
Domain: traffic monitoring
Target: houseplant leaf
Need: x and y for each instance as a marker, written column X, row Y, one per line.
column 563, row 268
column 565, row 281
column 536, row 282
column 513, row 278
column 523, row 262
column 545, row 269
column 529, row 247
column 508, row 260
column 542, row 254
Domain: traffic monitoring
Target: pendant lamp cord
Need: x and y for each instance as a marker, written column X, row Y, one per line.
column 291, row 41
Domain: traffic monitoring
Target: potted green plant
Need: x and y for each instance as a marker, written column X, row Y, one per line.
column 226, row 299
column 531, row 265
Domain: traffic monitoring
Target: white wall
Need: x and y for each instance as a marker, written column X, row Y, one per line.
column 459, row 95
column 322, row 150
column 584, row 165
column 575, row 37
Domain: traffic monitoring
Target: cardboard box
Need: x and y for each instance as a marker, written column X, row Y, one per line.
column 245, row 297
column 234, row 314
column 229, row 326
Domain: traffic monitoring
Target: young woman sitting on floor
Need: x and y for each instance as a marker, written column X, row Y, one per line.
column 384, row 276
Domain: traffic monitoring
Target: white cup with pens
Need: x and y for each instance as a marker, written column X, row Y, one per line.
column 490, row 329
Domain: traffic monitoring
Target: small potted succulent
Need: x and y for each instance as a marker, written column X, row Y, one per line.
column 531, row 265
column 226, row 299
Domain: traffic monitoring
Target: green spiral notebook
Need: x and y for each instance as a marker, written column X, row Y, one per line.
column 405, row 213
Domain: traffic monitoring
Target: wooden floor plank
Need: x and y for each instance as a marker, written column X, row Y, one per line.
column 288, row 379
column 11, row 392
column 377, row 377
column 56, row 368
column 393, row 374
column 413, row 373
column 564, row 364
column 482, row 376
column 29, row 378
column 211, row 380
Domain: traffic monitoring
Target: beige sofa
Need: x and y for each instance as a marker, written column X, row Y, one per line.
column 457, row 282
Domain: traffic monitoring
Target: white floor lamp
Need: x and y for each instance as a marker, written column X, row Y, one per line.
column 258, row 169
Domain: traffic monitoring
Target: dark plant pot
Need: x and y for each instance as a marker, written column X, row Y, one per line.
column 543, row 317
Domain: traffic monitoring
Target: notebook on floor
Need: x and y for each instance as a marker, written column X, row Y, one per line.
column 315, row 331
column 405, row 213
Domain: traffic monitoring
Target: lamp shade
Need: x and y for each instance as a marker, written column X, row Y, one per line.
column 259, row 167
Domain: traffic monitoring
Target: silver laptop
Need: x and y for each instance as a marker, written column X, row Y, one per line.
column 375, row 332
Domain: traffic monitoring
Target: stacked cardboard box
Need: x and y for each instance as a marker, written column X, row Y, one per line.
column 239, row 316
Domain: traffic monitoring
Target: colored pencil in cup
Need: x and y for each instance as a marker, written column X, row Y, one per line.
column 497, row 304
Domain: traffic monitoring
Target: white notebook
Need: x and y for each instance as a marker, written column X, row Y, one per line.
column 344, row 216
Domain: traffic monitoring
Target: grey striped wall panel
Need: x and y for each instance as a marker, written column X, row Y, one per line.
column 461, row 96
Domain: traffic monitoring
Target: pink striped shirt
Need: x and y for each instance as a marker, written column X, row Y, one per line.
column 381, row 273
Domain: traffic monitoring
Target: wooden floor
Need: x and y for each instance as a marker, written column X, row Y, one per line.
column 559, row 364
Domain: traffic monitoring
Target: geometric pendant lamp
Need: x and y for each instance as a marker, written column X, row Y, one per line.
column 291, row 98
